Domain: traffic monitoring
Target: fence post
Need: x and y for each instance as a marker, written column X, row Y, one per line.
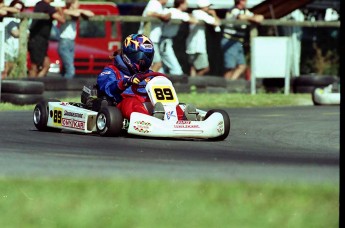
column 147, row 28
column 21, row 71
column 253, row 32
column 2, row 54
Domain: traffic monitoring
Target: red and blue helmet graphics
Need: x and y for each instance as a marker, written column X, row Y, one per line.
column 137, row 53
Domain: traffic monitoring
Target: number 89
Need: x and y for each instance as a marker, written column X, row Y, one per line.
column 164, row 94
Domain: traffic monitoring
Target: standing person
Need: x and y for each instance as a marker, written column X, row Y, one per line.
column 233, row 38
column 171, row 64
column 39, row 37
column 68, row 35
column 5, row 10
column 155, row 8
column 11, row 44
column 196, row 41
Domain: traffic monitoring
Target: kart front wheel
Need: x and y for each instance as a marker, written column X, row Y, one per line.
column 40, row 115
column 109, row 121
column 226, row 119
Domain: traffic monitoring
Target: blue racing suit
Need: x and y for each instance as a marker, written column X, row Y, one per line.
column 111, row 81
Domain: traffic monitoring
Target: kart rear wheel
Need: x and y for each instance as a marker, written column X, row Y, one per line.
column 313, row 96
column 109, row 121
column 40, row 116
column 226, row 119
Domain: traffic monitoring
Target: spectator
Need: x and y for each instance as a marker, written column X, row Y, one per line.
column 39, row 37
column 171, row 64
column 6, row 10
column 11, row 44
column 196, row 41
column 233, row 38
column 155, row 8
column 68, row 34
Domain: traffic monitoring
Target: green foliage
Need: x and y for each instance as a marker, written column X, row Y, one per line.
column 320, row 52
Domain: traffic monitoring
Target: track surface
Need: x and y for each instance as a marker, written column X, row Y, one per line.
column 265, row 144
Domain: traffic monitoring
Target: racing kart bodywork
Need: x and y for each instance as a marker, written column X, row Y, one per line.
column 326, row 96
column 54, row 115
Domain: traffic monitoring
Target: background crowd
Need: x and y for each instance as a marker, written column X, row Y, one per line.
column 39, row 34
column 162, row 35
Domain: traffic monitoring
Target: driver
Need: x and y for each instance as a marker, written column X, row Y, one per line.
column 129, row 68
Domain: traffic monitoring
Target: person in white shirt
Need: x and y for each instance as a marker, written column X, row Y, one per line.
column 155, row 8
column 170, row 62
column 6, row 10
column 11, row 39
column 68, row 35
column 196, row 48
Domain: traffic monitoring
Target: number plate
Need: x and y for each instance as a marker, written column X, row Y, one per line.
column 57, row 116
column 160, row 89
column 163, row 94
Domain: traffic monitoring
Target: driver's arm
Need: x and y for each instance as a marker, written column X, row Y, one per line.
column 110, row 83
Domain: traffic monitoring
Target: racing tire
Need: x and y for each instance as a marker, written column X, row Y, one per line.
column 226, row 119
column 315, row 102
column 40, row 116
column 314, row 80
column 22, row 87
column 109, row 121
column 307, row 83
column 21, row 99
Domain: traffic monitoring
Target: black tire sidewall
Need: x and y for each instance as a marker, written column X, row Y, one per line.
column 21, row 99
column 114, row 121
column 42, row 123
column 313, row 97
column 22, row 87
column 307, row 83
column 44, row 109
column 314, row 80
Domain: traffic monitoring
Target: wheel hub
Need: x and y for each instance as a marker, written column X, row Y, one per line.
column 101, row 121
column 37, row 115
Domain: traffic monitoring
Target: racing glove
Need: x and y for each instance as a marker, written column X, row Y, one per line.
column 135, row 79
column 128, row 81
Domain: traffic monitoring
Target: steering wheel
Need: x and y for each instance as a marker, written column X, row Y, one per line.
column 135, row 87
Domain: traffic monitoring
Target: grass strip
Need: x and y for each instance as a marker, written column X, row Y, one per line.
column 207, row 100
column 165, row 203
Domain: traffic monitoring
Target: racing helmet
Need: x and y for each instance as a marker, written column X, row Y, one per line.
column 137, row 53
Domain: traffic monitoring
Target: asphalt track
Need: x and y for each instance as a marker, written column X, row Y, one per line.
column 287, row 144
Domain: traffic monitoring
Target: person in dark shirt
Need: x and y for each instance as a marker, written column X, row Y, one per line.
column 233, row 38
column 39, row 37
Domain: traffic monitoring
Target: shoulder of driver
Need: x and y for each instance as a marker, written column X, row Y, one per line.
column 107, row 71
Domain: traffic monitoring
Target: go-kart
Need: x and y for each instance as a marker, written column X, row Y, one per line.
column 107, row 120
column 329, row 95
